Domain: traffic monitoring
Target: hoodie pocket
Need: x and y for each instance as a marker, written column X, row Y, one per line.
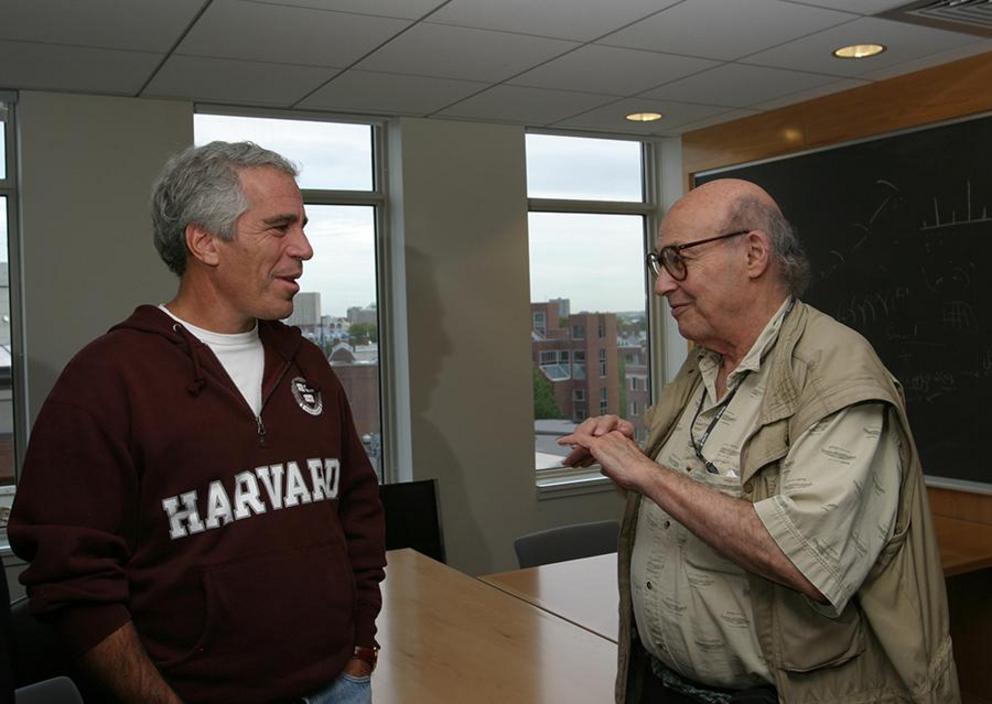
column 271, row 615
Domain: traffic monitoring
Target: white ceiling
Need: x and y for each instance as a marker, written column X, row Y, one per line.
column 568, row 64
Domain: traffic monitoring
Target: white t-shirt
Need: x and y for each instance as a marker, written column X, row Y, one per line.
column 241, row 354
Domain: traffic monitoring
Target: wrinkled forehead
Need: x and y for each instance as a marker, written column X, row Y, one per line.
column 692, row 219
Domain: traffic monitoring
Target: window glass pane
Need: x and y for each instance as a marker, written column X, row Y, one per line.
column 6, row 387
column 330, row 155
column 337, row 308
column 3, row 143
column 583, row 168
column 587, row 275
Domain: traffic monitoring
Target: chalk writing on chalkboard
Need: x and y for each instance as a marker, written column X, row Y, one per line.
column 899, row 234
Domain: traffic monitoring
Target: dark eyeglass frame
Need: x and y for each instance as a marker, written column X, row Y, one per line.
column 671, row 258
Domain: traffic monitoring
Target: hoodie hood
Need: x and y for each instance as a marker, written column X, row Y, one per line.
column 149, row 319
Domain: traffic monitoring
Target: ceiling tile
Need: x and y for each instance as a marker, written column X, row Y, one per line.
column 532, row 106
column 860, row 7
column 236, row 29
column 724, row 29
column 389, row 93
column 71, row 68
column 904, row 42
column 833, row 86
column 611, row 70
column 582, row 20
column 404, row 9
column 611, row 117
column 140, row 25
column 230, row 81
column 457, row 52
column 979, row 46
column 737, row 85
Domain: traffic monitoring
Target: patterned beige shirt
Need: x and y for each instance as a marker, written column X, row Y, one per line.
column 835, row 511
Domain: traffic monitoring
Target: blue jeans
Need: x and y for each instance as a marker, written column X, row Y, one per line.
column 346, row 689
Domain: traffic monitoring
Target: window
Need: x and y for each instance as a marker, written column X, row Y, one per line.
column 337, row 307
column 587, row 226
column 12, row 386
column 540, row 323
column 548, row 357
column 579, row 364
column 7, row 372
column 563, row 357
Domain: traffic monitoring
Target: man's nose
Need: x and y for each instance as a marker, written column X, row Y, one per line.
column 301, row 248
column 664, row 283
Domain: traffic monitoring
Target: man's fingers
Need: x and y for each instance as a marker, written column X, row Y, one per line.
column 575, row 456
column 605, row 424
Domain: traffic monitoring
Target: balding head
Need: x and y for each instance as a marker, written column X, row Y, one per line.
column 732, row 204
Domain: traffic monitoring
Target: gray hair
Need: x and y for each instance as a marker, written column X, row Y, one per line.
column 793, row 265
column 201, row 186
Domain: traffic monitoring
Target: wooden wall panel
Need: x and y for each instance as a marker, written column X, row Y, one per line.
column 941, row 93
column 964, row 505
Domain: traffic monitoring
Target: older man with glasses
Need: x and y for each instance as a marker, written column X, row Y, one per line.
column 777, row 543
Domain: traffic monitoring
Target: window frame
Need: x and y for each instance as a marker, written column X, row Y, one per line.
column 9, row 189
column 553, row 482
column 389, row 374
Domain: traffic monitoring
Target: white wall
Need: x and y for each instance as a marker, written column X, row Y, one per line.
column 86, row 168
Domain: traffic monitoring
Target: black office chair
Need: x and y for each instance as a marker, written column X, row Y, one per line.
column 567, row 543
column 412, row 517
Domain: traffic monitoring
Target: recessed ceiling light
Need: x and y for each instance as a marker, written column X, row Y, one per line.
column 859, row 51
column 644, row 116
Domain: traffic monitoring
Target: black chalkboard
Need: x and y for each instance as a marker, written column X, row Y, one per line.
column 899, row 233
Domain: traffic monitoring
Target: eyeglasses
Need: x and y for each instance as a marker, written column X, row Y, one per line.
column 671, row 258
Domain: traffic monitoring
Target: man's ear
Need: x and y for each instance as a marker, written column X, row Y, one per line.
column 202, row 245
column 759, row 253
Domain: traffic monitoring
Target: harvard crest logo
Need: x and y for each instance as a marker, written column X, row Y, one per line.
column 307, row 396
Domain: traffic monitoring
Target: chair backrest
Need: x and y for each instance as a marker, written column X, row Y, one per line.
column 412, row 517
column 567, row 543
column 58, row 690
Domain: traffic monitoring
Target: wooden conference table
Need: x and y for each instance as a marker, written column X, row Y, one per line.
column 584, row 592
column 447, row 637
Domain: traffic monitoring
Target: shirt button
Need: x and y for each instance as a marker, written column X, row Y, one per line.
column 668, row 524
column 650, row 586
column 688, row 468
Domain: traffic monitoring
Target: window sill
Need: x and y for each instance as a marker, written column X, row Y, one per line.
column 564, row 482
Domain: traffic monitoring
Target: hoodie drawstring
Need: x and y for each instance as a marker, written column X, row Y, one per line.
column 199, row 380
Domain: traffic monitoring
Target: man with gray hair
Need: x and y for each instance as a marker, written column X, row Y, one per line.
column 777, row 543
column 201, row 521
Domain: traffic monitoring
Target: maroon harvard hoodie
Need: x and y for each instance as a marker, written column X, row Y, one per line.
column 247, row 550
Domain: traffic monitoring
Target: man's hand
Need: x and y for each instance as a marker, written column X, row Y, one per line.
column 358, row 668
column 590, row 428
column 618, row 455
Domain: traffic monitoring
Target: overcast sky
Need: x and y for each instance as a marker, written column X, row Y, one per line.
column 594, row 260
